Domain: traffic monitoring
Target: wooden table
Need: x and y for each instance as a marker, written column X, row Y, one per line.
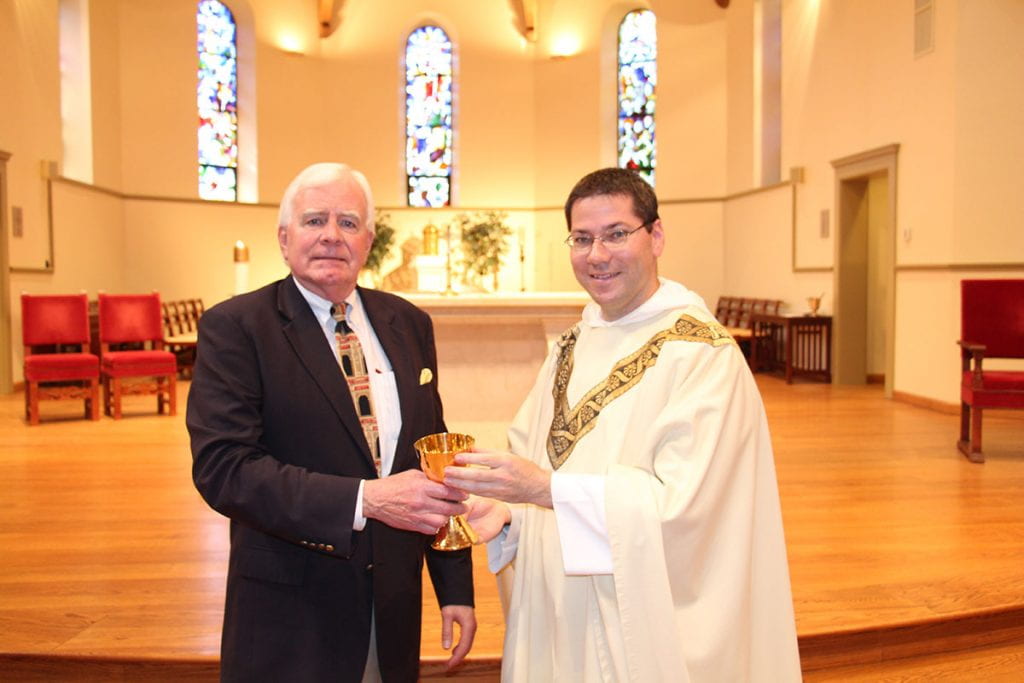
column 794, row 344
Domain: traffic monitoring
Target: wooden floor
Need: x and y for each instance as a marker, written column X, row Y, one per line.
column 907, row 561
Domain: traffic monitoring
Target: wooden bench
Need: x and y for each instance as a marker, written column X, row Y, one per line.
column 734, row 312
column 181, row 324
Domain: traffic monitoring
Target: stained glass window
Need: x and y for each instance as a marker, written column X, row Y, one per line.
column 217, row 99
column 638, row 76
column 428, row 116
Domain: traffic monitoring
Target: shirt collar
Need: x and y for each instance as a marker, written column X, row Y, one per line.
column 322, row 307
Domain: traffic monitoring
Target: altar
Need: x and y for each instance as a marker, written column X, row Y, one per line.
column 490, row 347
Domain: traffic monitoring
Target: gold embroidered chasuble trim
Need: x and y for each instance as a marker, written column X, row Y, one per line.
column 569, row 426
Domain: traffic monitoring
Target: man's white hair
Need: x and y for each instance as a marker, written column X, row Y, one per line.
column 318, row 175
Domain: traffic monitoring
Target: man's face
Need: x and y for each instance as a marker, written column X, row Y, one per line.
column 327, row 240
column 618, row 277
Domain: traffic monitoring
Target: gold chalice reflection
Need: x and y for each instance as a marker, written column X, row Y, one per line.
column 437, row 451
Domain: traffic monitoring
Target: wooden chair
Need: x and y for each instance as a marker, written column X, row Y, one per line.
column 135, row 320
column 992, row 326
column 181, row 325
column 735, row 312
column 50, row 326
column 182, row 316
column 195, row 311
column 722, row 309
column 746, row 308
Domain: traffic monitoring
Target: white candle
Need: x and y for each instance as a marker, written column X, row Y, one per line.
column 241, row 267
column 522, row 259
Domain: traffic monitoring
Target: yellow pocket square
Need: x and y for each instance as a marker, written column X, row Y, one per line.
column 425, row 376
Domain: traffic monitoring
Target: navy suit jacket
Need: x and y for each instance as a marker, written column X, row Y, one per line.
column 277, row 448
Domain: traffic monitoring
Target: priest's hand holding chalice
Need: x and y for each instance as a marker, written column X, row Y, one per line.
column 493, row 479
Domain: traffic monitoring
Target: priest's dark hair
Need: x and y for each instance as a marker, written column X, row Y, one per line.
column 616, row 181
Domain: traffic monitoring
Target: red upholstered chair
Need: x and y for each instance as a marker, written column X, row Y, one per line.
column 992, row 326
column 50, row 324
column 135, row 320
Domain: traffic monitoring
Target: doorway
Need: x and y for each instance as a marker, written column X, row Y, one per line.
column 6, row 379
column 864, row 277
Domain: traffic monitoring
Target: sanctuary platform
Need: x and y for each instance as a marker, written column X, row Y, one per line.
column 906, row 559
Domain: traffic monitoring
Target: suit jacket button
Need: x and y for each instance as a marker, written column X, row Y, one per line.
column 329, row 548
column 303, row 542
column 369, row 567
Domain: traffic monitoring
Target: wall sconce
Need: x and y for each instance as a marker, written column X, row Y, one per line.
column 241, row 268
column 290, row 44
column 565, row 45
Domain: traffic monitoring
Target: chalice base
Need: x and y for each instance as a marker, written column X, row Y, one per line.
column 456, row 534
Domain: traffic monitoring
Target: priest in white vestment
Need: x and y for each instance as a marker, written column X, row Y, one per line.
column 638, row 509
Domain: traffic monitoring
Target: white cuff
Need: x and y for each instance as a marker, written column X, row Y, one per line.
column 359, row 522
column 578, row 500
column 501, row 549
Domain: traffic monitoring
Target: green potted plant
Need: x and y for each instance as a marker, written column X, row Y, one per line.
column 484, row 238
column 381, row 247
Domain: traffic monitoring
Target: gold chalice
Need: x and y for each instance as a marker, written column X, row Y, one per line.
column 437, row 451
column 813, row 302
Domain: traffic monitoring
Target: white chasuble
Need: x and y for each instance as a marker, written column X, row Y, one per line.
column 661, row 409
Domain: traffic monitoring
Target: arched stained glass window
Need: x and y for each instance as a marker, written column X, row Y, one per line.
column 217, row 99
column 638, row 76
column 428, row 116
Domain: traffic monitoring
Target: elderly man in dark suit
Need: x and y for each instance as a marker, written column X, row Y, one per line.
column 313, row 461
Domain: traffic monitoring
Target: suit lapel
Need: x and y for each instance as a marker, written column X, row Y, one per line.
column 303, row 332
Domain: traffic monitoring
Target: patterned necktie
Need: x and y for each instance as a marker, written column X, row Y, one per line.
column 353, row 365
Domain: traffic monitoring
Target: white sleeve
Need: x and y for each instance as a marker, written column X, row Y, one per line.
column 501, row 549
column 579, row 505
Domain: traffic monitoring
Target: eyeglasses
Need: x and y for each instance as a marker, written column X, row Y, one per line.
column 611, row 240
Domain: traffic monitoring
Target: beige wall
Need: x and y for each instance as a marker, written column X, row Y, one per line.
column 851, row 83
column 988, row 138
column 106, row 88
column 528, row 127
column 157, row 59
column 29, row 117
column 694, row 247
column 692, row 113
column 758, row 245
column 739, row 84
column 185, row 249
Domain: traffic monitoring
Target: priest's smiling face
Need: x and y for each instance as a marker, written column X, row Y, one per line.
column 619, row 277
column 328, row 238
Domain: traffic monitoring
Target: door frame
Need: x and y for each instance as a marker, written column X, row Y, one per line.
column 858, row 168
column 6, row 350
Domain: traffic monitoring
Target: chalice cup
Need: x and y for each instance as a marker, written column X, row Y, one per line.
column 813, row 302
column 436, row 452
